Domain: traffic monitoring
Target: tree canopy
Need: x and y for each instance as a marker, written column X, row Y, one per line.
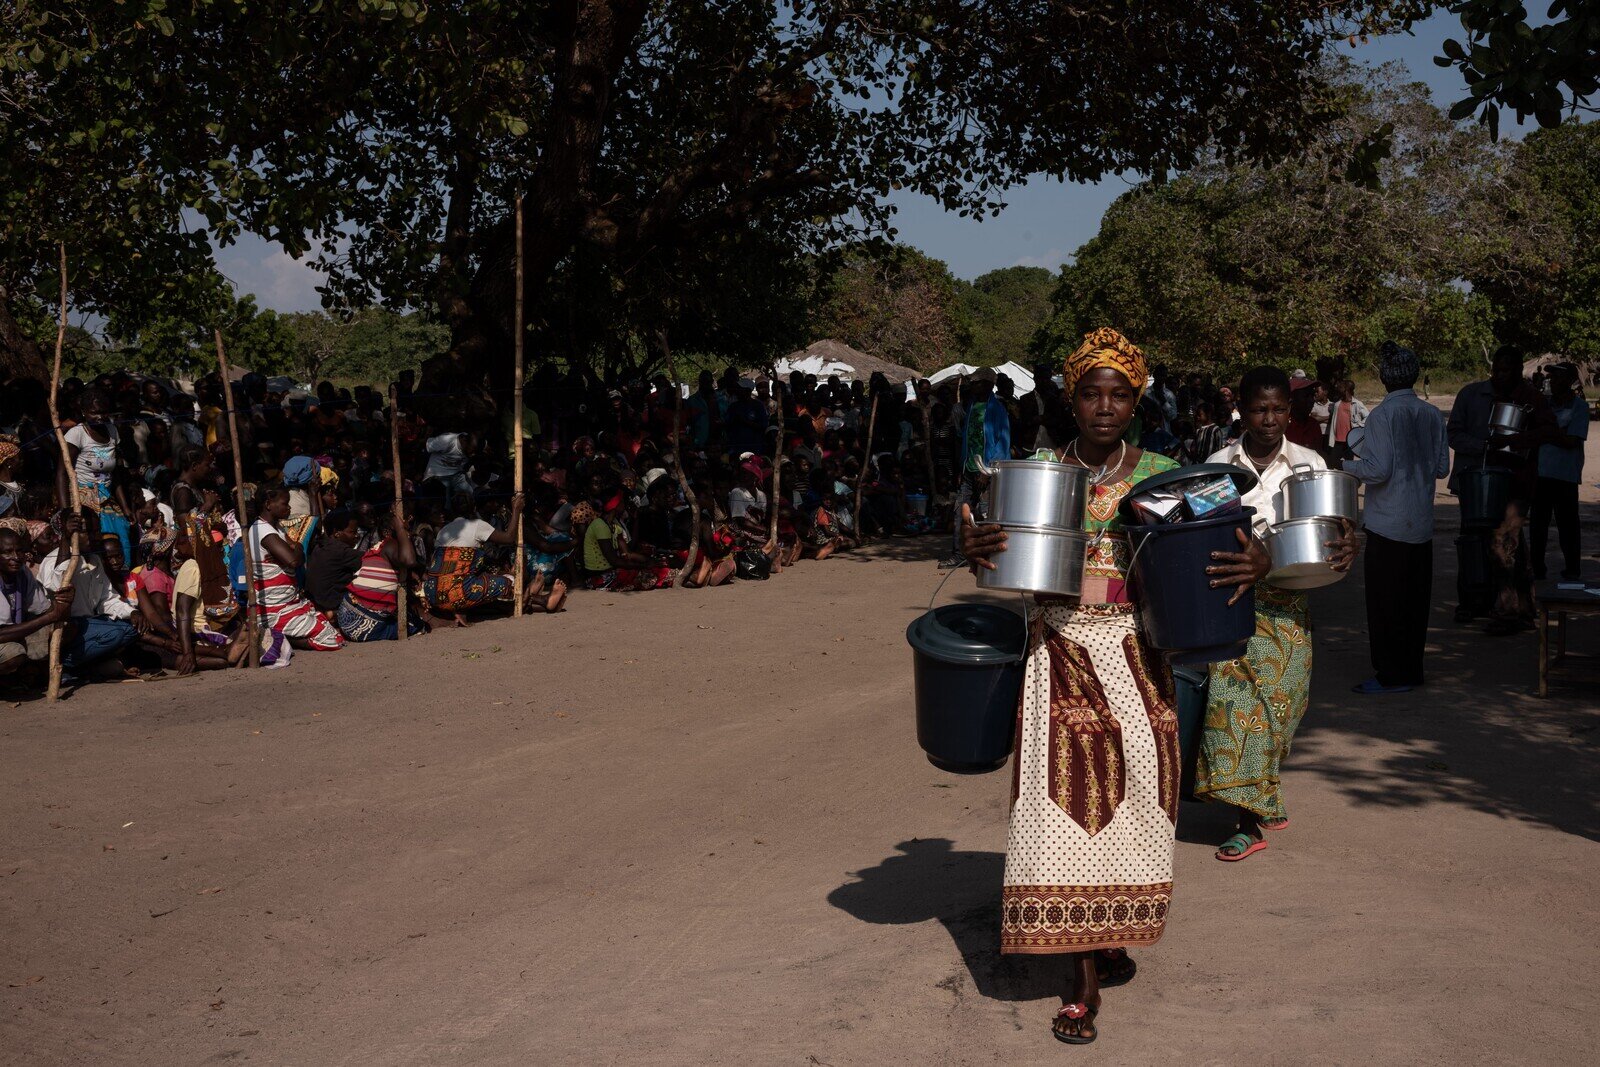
column 650, row 141
column 1292, row 263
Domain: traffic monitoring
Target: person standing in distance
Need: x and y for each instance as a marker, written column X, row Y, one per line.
column 1403, row 456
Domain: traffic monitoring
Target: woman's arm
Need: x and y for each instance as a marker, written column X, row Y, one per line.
column 508, row 536
column 183, row 621
column 398, row 550
column 608, row 549
column 282, row 552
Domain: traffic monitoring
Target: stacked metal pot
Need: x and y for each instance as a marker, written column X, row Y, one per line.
column 1040, row 505
column 1314, row 502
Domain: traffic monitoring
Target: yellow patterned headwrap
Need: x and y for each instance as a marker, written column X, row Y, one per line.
column 1105, row 347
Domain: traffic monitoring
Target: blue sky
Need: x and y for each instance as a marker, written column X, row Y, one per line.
column 1044, row 220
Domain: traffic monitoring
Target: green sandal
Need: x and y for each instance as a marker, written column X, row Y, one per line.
column 1242, row 846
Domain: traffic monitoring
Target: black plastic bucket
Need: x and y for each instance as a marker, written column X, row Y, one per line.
column 1182, row 614
column 967, row 661
column 1191, row 684
column 1485, row 492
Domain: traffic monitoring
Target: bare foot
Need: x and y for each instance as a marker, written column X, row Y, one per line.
column 461, row 621
column 558, row 596
column 530, row 595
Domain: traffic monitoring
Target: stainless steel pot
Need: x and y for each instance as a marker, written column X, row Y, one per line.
column 1300, row 553
column 1037, row 492
column 1506, row 419
column 1309, row 493
column 1038, row 559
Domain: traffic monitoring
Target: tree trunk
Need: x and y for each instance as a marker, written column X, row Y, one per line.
column 20, row 355
column 520, row 557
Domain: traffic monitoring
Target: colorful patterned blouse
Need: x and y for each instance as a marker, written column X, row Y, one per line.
column 1105, row 577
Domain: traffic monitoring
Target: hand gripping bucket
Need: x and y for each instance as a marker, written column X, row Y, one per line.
column 967, row 662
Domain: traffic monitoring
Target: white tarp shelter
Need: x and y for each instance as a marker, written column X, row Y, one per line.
column 1021, row 377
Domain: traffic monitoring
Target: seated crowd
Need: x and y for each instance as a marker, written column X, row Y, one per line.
column 160, row 581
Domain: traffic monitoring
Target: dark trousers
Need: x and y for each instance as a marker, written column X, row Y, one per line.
column 1399, row 580
column 1554, row 497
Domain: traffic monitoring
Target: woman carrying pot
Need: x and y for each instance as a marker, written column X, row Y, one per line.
column 1258, row 700
column 1095, row 797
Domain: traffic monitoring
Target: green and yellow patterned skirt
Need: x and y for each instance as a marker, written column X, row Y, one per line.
column 1255, row 706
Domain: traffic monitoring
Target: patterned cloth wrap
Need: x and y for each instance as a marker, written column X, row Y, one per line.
column 457, row 582
column 1255, row 706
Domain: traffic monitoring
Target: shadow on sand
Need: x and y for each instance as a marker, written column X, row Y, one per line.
column 929, row 879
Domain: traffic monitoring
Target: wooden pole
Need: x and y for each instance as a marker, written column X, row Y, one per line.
column 861, row 482
column 516, row 433
column 252, row 621
column 925, row 405
column 777, row 477
column 683, row 474
column 403, row 594
column 53, row 691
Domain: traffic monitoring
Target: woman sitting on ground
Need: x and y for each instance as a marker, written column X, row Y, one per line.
column 611, row 564
column 549, row 548
column 273, row 560
column 201, row 643
column 717, row 542
column 458, row 581
column 369, row 609
column 824, row 534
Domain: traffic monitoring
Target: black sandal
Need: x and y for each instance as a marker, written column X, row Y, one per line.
column 1083, row 1015
column 1114, row 967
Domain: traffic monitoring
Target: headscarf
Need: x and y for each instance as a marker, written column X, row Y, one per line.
column 10, row 448
column 1396, row 364
column 1105, row 347
column 299, row 471
column 582, row 514
column 17, row 525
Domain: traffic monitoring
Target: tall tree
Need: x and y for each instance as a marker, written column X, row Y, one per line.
column 899, row 305
column 393, row 134
column 1293, row 262
column 1005, row 308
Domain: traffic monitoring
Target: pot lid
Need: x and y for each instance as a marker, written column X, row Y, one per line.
column 1243, row 480
column 969, row 634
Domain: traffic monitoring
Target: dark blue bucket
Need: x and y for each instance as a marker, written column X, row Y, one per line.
column 1192, row 685
column 1182, row 614
column 968, row 662
column 1485, row 492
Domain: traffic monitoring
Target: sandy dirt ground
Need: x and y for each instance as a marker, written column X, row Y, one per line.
column 694, row 827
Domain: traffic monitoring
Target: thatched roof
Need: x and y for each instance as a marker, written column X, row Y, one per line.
column 837, row 354
column 1588, row 372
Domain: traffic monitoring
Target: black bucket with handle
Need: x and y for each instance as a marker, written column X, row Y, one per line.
column 967, row 663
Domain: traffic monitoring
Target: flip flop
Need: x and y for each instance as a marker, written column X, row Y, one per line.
column 1275, row 826
column 1246, row 845
column 1114, row 967
column 1076, row 1012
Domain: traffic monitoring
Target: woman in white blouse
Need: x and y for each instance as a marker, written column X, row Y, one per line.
column 1257, row 701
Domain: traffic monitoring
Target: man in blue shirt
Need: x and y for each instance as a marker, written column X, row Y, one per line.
column 1403, row 456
